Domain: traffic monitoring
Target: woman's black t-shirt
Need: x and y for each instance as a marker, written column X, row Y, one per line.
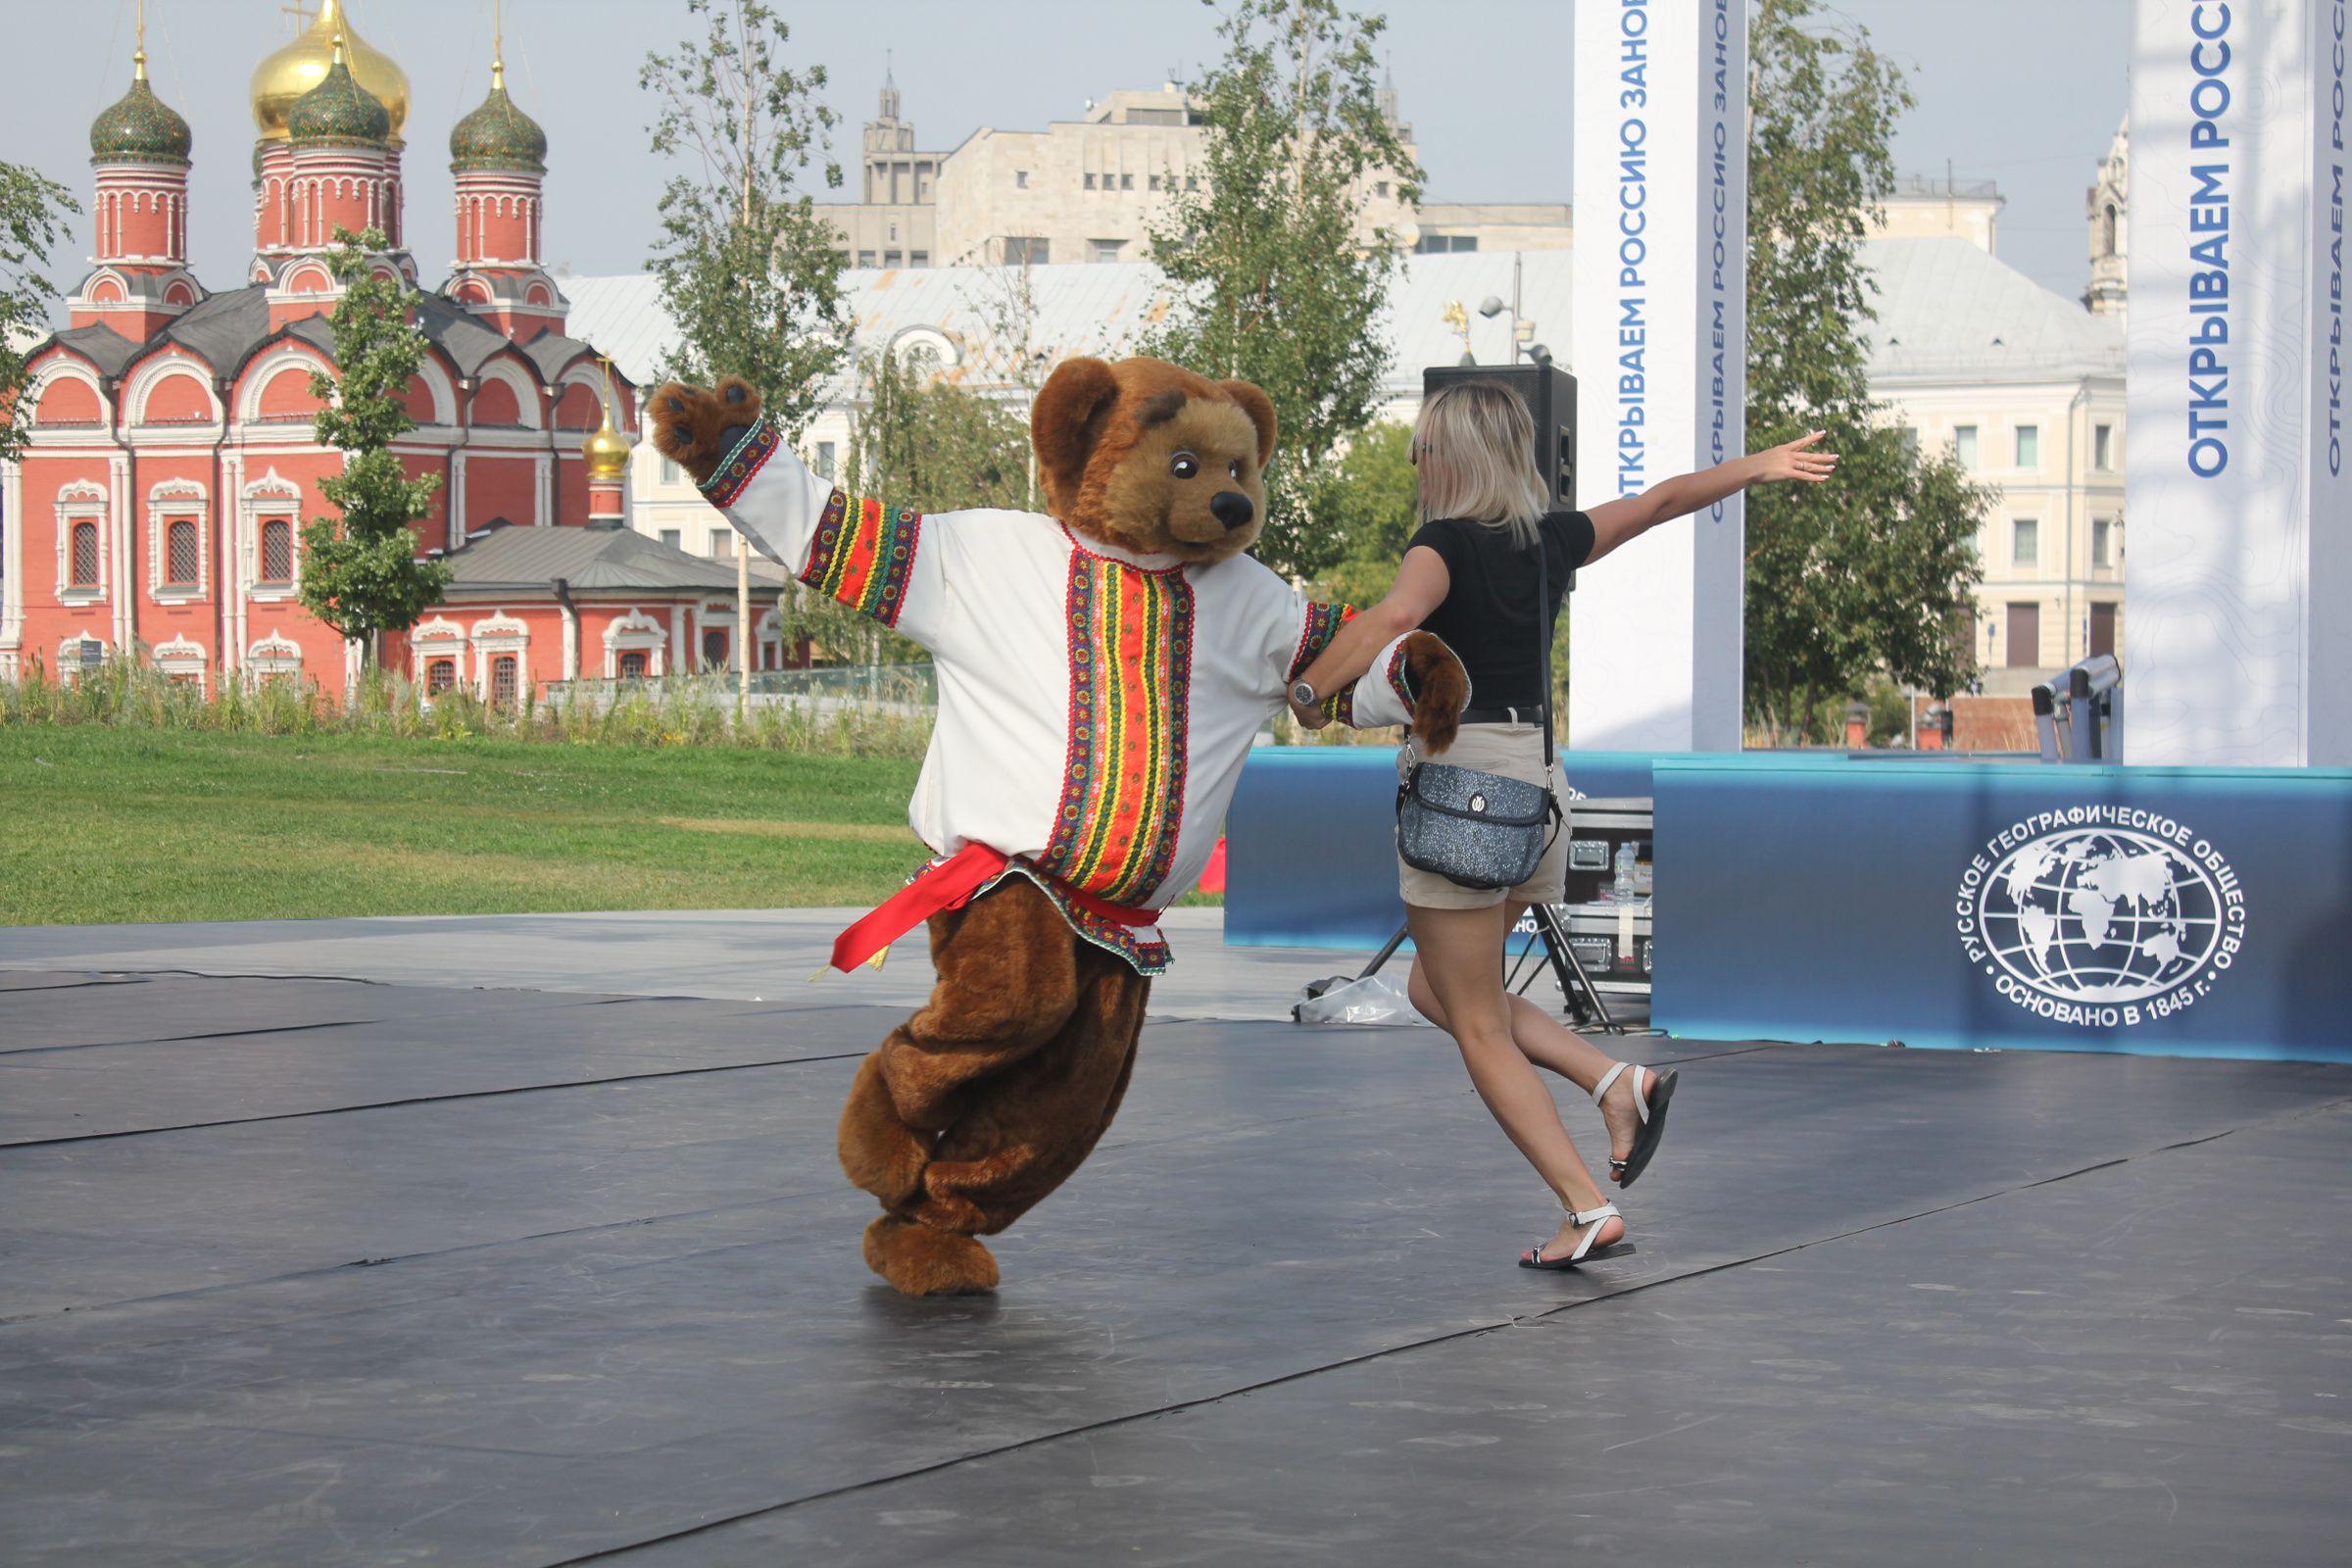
column 1489, row 617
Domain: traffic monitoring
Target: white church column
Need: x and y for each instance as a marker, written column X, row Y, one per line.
column 1660, row 346
column 2238, row 644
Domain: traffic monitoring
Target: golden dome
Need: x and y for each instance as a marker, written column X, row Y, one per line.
column 606, row 450
column 302, row 65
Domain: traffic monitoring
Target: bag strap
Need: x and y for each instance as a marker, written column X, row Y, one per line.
column 1544, row 630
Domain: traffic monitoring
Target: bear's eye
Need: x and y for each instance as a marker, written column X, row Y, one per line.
column 1234, row 468
column 1184, row 465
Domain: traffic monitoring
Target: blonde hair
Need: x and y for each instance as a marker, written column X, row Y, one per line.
column 1484, row 441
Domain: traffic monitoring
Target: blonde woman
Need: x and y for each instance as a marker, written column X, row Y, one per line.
column 1471, row 576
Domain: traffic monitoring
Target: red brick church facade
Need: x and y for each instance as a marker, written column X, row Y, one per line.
column 158, row 509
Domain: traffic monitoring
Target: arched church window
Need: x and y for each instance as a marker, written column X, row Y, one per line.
column 440, row 675
column 277, row 550
column 180, row 565
column 632, row 665
column 85, row 555
column 2107, row 231
column 505, row 673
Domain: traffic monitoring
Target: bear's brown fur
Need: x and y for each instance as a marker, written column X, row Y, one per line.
column 996, row 1091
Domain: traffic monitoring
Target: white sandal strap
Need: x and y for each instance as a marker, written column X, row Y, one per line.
column 1640, row 1097
column 1590, row 1222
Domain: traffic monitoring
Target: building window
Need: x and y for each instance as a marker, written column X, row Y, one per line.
column 1105, row 249
column 722, row 542
column 2025, row 636
column 1381, row 189
column 277, row 550
column 2025, row 538
column 632, row 665
column 919, row 258
column 180, row 566
column 2102, row 447
column 1910, row 439
column 1021, row 179
column 715, row 650
column 505, row 673
column 1441, row 244
column 440, row 675
column 892, row 259
column 865, row 257
column 1024, row 250
column 85, row 555
column 2029, row 446
column 2102, row 541
column 1151, row 182
column 671, row 473
column 1090, row 183
column 1964, row 445
column 1126, row 183
column 674, row 538
column 2107, row 231
column 825, row 459
column 1192, row 182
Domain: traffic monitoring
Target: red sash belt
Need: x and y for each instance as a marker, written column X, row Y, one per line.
column 949, row 885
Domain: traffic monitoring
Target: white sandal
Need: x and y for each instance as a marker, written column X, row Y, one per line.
column 1590, row 1222
column 1652, row 1103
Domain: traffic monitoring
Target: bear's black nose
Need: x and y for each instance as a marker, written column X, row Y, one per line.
column 1232, row 509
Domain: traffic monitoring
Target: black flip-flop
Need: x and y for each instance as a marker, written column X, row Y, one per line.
column 1586, row 1252
column 1652, row 1108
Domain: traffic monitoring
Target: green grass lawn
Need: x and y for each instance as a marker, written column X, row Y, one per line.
column 100, row 826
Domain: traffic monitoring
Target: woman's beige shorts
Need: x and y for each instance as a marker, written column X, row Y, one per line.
column 1515, row 751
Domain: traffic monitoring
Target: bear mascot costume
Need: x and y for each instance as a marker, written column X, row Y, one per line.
column 1101, row 672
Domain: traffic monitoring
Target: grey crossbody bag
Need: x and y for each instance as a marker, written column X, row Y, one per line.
column 1482, row 830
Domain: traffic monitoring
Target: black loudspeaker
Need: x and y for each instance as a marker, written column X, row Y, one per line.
column 1549, row 394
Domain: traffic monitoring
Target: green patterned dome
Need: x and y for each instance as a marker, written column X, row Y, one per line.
column 498, row 135
column 141, row 129
column 338, row 112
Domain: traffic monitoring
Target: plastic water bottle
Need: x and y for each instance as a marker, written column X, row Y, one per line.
column 1623, row 892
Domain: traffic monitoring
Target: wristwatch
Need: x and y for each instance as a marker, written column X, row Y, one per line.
column 1302, row 694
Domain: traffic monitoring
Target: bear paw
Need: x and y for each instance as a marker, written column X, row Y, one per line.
column 918, row 1260
column 1441, row 690
column 695, row 428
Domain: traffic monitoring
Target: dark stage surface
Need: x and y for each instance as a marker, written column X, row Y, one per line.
column 314, row 1272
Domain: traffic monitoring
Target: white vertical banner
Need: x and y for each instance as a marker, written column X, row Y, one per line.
column 1660, row 346
column 2237, row 643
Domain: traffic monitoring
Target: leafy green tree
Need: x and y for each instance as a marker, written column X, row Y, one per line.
column 1270, row 278
column 924, row 442
column 31, row 215
column 1368, row 506
column 748, row 270
column 1871, row 574
column 360, row 571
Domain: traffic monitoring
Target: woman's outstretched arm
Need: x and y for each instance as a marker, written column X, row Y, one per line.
column 1616, row 521
column 1420, row 588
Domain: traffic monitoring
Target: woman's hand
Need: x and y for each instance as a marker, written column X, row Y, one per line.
column 1792, row 460
column 1308, row 717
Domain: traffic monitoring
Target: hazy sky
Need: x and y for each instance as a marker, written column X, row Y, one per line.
column 2027, row 92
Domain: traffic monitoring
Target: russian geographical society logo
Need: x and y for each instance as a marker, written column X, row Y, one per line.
column 2101, row 915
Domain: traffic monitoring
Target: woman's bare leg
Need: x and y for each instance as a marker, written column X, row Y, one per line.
column 1459, row 963
column 1551, row 1045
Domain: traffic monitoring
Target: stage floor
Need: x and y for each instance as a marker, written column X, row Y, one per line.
column 300, row 1271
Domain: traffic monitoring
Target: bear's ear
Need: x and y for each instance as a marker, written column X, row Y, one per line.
column 1067, row 422
column 1261, row 409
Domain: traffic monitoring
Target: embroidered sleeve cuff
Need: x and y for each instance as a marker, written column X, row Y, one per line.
column 1385, row 695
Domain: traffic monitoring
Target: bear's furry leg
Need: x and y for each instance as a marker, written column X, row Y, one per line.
column 918, row 1260
column 881, row 1154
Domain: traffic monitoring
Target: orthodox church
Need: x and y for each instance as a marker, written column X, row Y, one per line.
column 158, row 509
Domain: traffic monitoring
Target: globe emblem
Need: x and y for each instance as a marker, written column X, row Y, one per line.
column 2100, row 915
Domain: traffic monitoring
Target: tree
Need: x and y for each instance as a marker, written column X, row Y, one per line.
column 1368, row 506
column 748, row 270
column 360, row 571
column 1871, row 574
column 31, row 215
column 1269, row 278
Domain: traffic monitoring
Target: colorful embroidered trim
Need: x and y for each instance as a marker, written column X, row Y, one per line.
column 1147, row 958
column 1400, row 676
column 1323, row 624
column 864, row 564
column 1122, row 788
column 744, row 459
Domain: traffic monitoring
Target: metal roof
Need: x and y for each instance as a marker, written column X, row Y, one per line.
column 1948, row 310
column 518, row 560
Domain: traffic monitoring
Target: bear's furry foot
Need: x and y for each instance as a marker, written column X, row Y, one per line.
column 1441, row 690
column 694, row 428
column 918, row 1260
